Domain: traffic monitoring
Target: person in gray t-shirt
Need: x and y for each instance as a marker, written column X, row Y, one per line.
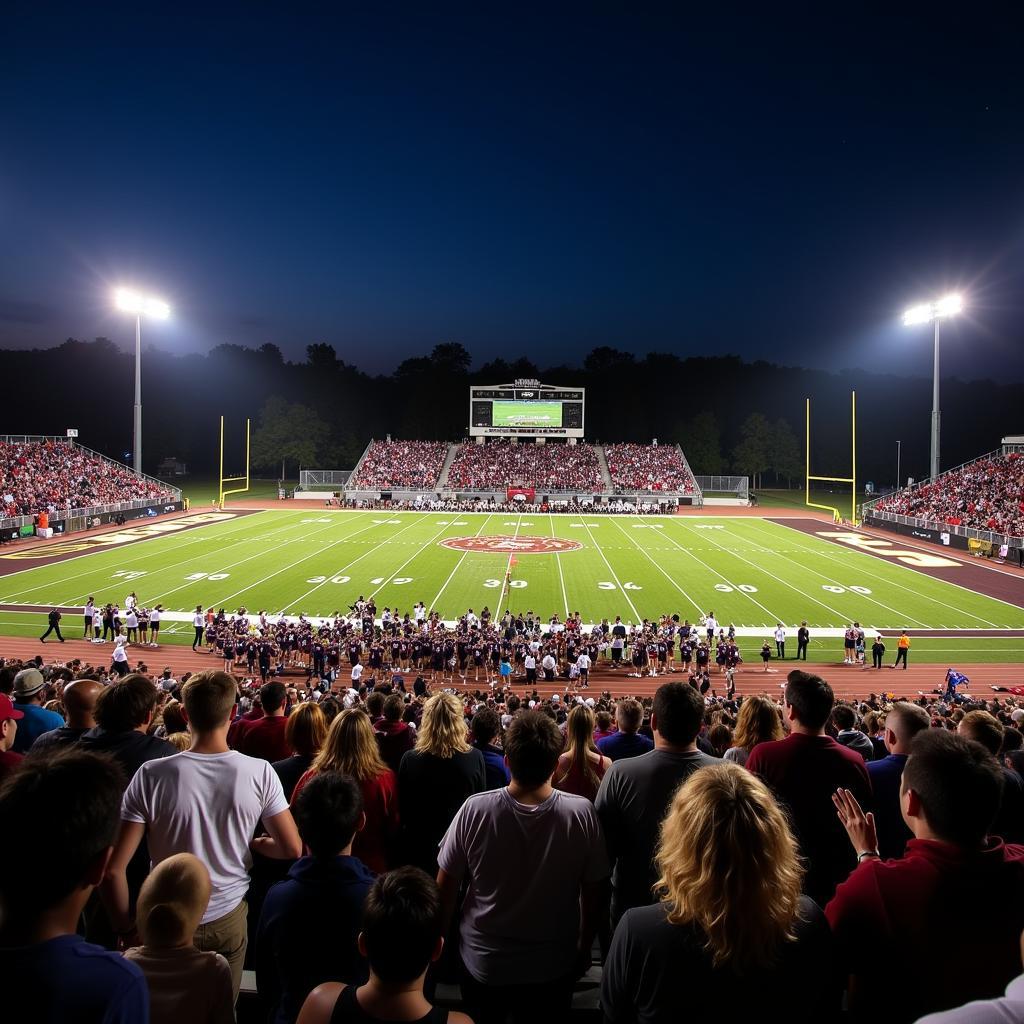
column 635, row 793
column 534, row 862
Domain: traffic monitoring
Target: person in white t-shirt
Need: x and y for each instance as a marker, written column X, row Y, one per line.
column 780, row 641
column 526, row 937
column 97, row 624
column 155, row 615
column 198, row 624
column 119, row 655
column 206, row 801
column 131, row 622
column 357, row 674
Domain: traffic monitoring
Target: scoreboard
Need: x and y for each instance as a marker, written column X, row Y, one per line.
column 525, row 408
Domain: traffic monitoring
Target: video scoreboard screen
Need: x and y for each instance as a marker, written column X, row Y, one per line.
column 526, row 408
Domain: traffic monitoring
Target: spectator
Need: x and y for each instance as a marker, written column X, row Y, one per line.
column 265, row 737
column 757, row 722
column 953, row 882
column 304, row 733
column 581, row 768
column 207, row 801
column 485, row 726
column 902, row 723
column 310, row 922
column 501, row 464
column 804, row 770
column 29, row 697
column 435, row 778
column 648, row 467
column 79, row 699
column 401, row 938
column 525, row 938
column 987, row 730
column 390, row 464
column 59, row 818
column 603, row 726
column 184, row 983
column 844, row 718
column 394, row 737
column 9, row 718
column 730, row 923
column 627, row 741
column 351, row 750
column 635, row 793
column 124, row 713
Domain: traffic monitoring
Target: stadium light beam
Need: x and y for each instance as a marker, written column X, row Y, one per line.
column 934, row 312
column 138, row 305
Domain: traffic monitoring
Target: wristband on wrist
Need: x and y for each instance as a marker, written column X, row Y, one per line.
column 867, row 853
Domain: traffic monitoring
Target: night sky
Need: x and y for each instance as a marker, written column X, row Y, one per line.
column 535, row 185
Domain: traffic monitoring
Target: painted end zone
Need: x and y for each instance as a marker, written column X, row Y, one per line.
column 34, row 555
column 518, row 545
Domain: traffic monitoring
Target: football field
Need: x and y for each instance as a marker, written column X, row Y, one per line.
column 750, row 572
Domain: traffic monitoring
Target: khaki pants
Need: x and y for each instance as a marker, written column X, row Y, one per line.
column 229, row 937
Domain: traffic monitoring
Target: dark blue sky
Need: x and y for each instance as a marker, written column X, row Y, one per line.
column 532, row 185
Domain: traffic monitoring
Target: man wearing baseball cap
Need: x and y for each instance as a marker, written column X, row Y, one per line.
column 29, row 687
column 9, row 718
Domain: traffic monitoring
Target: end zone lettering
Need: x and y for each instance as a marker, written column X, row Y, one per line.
column 118, row 537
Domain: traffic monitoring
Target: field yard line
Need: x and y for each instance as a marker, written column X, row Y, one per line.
column 114, row 550
column 419, row 551
column 735, row 587
column 876, row 576
column 777, row 579
column 814, row 600
column 415, row 522
column 815, row 572
column 186, row 561
column 558, row 560
column 259, row 554
column 451, row 576
column 959, row 586
column 508, row 568
column 654, row 562
column 618, row 582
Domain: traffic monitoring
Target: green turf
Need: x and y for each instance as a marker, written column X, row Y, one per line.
column 202, row 491
column 750, row 572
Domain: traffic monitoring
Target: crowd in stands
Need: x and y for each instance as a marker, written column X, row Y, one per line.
column 52, row 476
column 986, row 495
column 394, row 464
column 354, row 839
column 646, row 467
column 570, row 506
column 501, row 464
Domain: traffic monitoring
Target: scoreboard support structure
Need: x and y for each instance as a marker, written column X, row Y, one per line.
column 851, row 479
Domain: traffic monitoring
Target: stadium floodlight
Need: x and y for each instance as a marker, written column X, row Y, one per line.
column 139, row 306
column 934, row 312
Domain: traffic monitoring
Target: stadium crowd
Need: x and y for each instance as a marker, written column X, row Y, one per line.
column 51, row 476
column 355, row 838
column 986, row 495
column 571, row 506
column 502, row 464
column 646, row 467
column 389, row 464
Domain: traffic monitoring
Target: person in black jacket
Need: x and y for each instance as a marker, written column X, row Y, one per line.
column 803, row 638
column 54, row 620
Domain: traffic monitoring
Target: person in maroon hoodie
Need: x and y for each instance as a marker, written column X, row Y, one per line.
column 954, row 901
column 394, row 737
column 266, row 737
column 803, row 771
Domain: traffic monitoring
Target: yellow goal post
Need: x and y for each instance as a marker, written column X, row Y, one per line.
column 222, row 480
column 851, row 479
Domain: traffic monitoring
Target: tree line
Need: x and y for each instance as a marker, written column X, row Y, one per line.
column 730, row 416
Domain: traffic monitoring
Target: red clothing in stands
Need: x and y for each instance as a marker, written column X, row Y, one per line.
column 942, row 924
column 804, row 772
column 393, row 739
column 374, row 843
column 265, row 738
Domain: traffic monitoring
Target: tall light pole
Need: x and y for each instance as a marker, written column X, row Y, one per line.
column 934, row 312
column 139, row 306
column 899, row 448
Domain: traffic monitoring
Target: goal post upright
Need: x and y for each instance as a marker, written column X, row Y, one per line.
column 222, row 479
column 851, row 479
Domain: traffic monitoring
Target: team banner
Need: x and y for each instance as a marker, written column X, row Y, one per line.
column 520, row 494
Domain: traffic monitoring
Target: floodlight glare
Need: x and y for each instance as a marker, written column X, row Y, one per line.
column 157, row 309
column 917, row 315
column 129, row 301
column 950, row 305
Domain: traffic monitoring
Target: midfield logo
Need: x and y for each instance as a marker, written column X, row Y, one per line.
column 519, row 545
